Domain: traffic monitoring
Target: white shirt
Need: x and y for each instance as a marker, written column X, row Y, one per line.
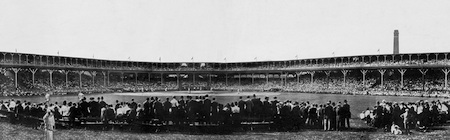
column 12, row 104
column 174, row 102
column 49, row 120
column 121, row 111
column 235, row 109
column 64, row 110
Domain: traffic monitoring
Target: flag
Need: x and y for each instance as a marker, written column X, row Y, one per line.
column 255, row 58
column 192, row 58
column 129, row 58
column 58, row 53
column 333, row 53
column 296, row 56
column 225, row 59
column 159, row 59
column 378, row 50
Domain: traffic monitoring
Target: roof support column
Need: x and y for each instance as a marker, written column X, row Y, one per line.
column 382, row 71
column 121, row 76
column 178, row 81
column 239, row 77
column 136, row 78
column 33, row 72
column 162, row 78
column 226, row 79
column 50, row 72
column 15, row 70
column 424, row 72
column 344, row 72
column 364, row 72
column 66, row 73
column 104, row 78
column 446, row 71
column 402, row 73
column 79, row 74
column 107, row 78
column 209, row 79
column 93, row 74
column 312, row 76
column 281, row 78
column 328, row 78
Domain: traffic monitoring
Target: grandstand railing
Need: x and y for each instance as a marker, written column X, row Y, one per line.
column 356, row 65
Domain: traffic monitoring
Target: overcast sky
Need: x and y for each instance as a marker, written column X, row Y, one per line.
column 211, row 30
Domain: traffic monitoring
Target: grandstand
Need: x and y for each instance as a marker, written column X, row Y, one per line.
column 29, row 74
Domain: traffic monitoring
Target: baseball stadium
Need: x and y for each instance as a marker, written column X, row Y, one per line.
column 224, row 69
column 227, row 98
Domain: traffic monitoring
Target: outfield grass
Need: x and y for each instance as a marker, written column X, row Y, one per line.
column 10, row 131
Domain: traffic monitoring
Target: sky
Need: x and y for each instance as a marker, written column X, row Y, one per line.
column 215, row 30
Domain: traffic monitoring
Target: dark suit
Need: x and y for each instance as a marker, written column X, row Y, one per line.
column 328, row 112
column 167, row 106
column 241, row 105
column 94, row 107
column 206, row 109
column 84, row 106
column 146, row 112
column 158, row 110
column 347, row 114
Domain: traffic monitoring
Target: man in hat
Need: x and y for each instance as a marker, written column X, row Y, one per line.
column 241, row 105
column 266, row 111
column 347, row 114
column 84, row 106
column 94, row 108
column 249, row 106
column 328, row 112
column 146, row 105
column 206, row 109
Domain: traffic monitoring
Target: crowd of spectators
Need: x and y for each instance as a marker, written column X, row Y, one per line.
column 432, row 85
column 420, row 115
column 199, row 110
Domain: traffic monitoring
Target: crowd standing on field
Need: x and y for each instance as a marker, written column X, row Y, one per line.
column 420, row 115
column 188, row 111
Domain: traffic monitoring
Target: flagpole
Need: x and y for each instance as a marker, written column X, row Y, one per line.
column 193, row 64
column 226, row 65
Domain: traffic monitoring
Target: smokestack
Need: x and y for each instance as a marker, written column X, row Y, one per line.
column 396, row 47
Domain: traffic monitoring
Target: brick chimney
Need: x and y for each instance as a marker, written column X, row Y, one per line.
column 396, row 47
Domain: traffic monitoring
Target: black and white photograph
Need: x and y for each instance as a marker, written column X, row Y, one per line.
column 224, row 69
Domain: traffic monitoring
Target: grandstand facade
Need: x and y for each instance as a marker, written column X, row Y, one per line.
column 71, row 70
